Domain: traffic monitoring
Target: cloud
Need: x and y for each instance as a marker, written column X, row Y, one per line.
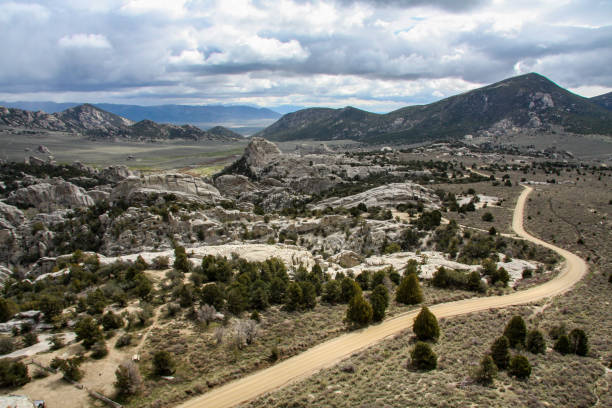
column 84, row 41
column 378, row 54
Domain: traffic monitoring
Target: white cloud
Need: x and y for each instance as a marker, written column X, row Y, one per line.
column 84, row 41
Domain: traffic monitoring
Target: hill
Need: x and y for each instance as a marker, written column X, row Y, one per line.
column 176, row 114
column 528, row 101
column 604, row 100
column 99, row 124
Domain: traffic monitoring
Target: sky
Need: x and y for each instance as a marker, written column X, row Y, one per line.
column 376, row 55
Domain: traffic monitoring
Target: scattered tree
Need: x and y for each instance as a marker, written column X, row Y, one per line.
column 13, row 373
column 163, row 364
column 349, row 289
column 128, row 379
column 359, row 311
column 500, row 352
column 487, row 371
column 423, row 357
column 535, row 342
column 562, row 345
column 332, row 292
column 578, row 342
column 519, row 367
column 516, row 331
column 379, row 299
column 409, row 291
column 88, row 331
column 426, row 325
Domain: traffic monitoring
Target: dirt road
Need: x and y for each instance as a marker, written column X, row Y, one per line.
column 333, row 351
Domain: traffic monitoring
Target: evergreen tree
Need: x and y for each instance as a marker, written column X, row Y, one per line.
column 51, row 306
column 128, row 379
column 359, row 311
column 349, row 289
column 440, row 278
column 487, row 372
column 578, row 342
column 88, row 331
column 422, row 357
column 426, row 325
column 535, row 342
column 411, row 267
column 212, row 294
column 379, row 299
column 181, row 262
column 278, row 290
column 309, row 295
column 409, row 291
column 236, row 301
column 294, row 296
column 519, row 367
column 562, row 345
column 500, row 352
column 516, row 331
column 13, row 373
column 163, row 364
column 260, row 299
column 332, row 292
column 111, row 321
column 7, row 309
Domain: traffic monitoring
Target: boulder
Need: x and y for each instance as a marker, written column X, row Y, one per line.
column 116, row 173
column 51, row 196
column 12, row 215
column 99, row 196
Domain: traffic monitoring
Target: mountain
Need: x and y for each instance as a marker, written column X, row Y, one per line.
column 177, row 114
column 528, row 101
column 99, row 124
column 604, row 100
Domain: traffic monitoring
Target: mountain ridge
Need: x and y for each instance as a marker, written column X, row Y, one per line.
column 529, row 101
column 168, row 113
column 99, row 124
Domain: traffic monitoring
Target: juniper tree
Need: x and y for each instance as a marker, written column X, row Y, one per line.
column 487, row 371
column 380, row 301
column 562, row 345
column 516, row 331
column 423, row 357
column 359, row 311
column 519, row 367
column 535, row 342
column 578, row 342
column 426, row 325
column 500, row 352
column 409, row 291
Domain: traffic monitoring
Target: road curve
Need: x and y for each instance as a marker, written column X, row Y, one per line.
column 334, row 350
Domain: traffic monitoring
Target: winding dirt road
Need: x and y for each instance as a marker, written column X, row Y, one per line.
column 334, row 350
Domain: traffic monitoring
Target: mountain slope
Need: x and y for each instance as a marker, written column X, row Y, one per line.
column 604, row 100
column 529, row 101
column 99, row 124
column 176, row 114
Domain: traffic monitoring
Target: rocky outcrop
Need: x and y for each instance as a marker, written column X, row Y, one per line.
column 51, row 196
column 234, row 185
column 387, row 195
column 184, row 187
column 116, row 173
column 259, row 152
column 10, row 217
column 347, row 259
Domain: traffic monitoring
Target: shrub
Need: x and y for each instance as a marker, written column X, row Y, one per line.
column 163, row 364
column 30, row 339
column 111, row 321
column 557, row 331
column 212, row 294
column 500, row 352
column 409, row 291
column 128, row 379
column 99, row 350
column 535, row 342
column 6, row 345
column 124, row 340
column 309, row 295
column 487, row 371
column 562, row 345
column 69, row 367
column 181, row 262
column 516, row 331
column 359, row 311
column 519, row 367
column 422, row 357
column 13, row 373
column 488, row 217
column 578, row 342
column 294, row 296
column 7, row 309
column 379, row 299
column 426, row 325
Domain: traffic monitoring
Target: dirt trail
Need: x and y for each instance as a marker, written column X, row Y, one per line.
column 331, row 352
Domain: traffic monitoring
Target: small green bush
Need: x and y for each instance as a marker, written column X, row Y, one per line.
column 422, row 357
column 519, row 367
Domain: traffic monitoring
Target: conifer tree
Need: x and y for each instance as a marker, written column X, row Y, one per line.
column 423, row 357
column 409, row 291
column 500, row 352
column 516, row 331
column 359, row 311
column 426, row 325
column 535, row 342
column 380, row 301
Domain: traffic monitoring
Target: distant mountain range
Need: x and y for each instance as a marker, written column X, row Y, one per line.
column 176, row 114
column 528, row 101
column 99, row 124
column 604, row 100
